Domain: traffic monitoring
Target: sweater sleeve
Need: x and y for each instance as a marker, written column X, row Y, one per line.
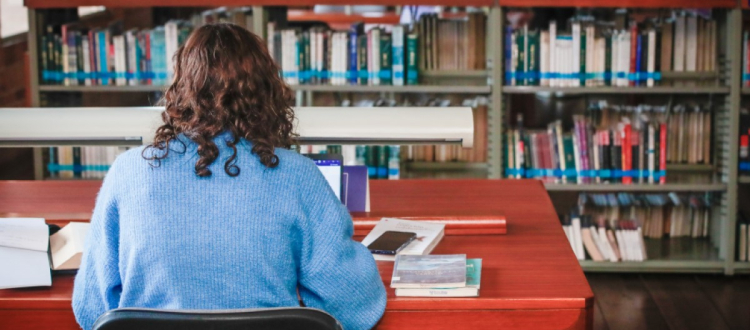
column 97, row 285
column 337, row 274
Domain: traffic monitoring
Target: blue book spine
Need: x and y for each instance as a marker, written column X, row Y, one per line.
column 638, row 54
column 508, row 55
column 104, row 68
column 353, row 34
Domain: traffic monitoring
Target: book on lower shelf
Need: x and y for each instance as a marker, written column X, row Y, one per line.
column 615, row 227
column 429, row 271
column 428, row 235
column 473, row 281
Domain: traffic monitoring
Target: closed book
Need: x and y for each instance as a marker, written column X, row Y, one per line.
column 473, row 281
column 412, row 58
column 432, row 271
column 428, row 236
column 385, row 59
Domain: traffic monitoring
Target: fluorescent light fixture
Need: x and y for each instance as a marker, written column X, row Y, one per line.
column 130, row 126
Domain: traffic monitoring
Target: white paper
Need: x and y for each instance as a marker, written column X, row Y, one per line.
column 23, row 268
column 24, row 233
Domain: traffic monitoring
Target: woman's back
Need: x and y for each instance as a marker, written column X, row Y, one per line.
column 217, row 213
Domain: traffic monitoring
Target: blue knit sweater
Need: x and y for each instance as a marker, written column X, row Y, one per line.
column 162, row 237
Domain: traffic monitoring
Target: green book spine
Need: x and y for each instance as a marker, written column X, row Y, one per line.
column 412, row 58
column 533, row 58
column 583, row 57
column 77, row 162
column 385, row 61
column 520, row 72
column 383, row 162
column 608, row 61
column 371, row 160
column 569, row 153
column 362, row 59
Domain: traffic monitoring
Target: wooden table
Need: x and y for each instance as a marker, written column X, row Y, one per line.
column 530, row 277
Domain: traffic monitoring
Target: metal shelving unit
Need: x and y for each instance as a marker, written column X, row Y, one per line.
column 490, row 83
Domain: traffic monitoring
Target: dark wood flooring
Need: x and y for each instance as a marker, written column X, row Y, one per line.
column 655, row 301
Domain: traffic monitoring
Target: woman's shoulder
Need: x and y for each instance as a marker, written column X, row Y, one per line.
column 293, row 160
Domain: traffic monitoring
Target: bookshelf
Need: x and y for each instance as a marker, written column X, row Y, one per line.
column 668, row 255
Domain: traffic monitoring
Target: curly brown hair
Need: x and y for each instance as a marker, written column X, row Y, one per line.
column 225, row 80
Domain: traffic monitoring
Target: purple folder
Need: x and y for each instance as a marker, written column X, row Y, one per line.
column 355, row 189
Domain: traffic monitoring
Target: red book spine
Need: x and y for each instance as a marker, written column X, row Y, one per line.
column 627, row 151
column 148, row 68
column 633, row 50
column 663, row 151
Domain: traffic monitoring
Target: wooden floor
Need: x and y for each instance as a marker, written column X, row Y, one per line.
column 631, row 301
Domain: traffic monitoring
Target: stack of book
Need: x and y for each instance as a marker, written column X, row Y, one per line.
column 428, row 236
column 81, row 162
column 622, row 144
column 436, row 276
column 629, row 51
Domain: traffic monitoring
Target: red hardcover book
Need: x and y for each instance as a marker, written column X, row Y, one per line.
column 633, row 49
column 663, row 151
column 627, row 151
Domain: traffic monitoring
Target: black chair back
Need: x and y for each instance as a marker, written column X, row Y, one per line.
column 246, row 319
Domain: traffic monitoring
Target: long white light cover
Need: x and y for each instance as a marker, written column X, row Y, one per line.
column 35, row 127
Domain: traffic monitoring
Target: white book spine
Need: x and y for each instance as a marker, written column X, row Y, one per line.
column 398, row 54
column 578, row 241
column 86, row 57
column 651, row 56
column 544, row 58
column 576, row 49
column 678, row 61
column 651, row 152
column 589, row 56
column 691, row 44
column 553, row 68
column 613, row 64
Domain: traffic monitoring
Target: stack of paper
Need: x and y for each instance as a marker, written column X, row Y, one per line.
column 428, row 236
column 23, row 253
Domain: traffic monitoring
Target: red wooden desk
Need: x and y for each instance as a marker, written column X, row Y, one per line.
column 530, row 277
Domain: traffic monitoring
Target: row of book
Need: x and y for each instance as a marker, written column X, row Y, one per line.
column 81, row 162
column 74, row 55
column 457, row 43
column 589, row 52
column 611, row 144
column 378, row 54
column 660, row 215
